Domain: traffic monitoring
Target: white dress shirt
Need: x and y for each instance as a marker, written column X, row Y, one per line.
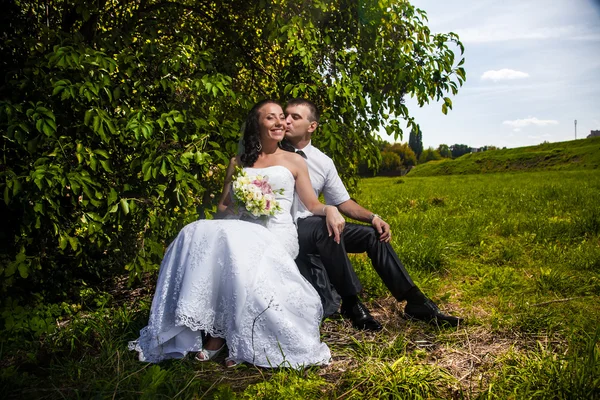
column 324, row 179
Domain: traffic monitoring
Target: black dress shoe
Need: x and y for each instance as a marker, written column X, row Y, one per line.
column 429, row 312
column 361, row 317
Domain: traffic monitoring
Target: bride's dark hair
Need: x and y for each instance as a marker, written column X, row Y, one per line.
column 252, row 145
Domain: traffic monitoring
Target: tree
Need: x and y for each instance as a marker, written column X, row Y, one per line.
column 459, row 150
column 444, row 151
column 415, row 141
column 429, row 154
column 390, row 162
column 407, row 156
column 118, row 117
column 488, row 148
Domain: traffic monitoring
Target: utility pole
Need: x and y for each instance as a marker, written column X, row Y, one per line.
column 575, row 129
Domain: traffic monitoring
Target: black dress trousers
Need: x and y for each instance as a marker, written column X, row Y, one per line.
column 314, row 239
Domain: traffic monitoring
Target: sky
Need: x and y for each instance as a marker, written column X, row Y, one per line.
column 533, row 68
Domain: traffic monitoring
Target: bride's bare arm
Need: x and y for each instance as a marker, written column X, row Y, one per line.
column 225, row 199
column 335, row 221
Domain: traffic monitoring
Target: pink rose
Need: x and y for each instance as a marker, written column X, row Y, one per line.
column 264, row 186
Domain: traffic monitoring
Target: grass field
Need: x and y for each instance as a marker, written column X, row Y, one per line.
column 516, row 254
column 571, row 155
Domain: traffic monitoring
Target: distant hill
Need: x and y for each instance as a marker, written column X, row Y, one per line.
column 574, row 154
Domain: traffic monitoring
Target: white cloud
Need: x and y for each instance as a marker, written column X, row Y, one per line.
column 555, row 42
column 517, row 124
column 503, row 74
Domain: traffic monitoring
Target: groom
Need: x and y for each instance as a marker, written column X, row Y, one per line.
column 302, row 119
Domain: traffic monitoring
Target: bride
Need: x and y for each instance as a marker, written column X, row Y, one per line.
column 234, row 281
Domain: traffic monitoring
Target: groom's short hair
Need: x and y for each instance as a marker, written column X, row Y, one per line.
column 314, row 111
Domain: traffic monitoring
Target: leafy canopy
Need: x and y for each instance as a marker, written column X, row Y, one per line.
column 117, row 117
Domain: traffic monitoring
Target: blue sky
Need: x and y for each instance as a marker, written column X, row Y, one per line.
column 533, row 67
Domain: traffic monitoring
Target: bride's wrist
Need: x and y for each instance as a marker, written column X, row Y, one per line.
column 329, row 209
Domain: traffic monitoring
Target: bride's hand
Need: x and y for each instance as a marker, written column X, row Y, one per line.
column 229, row 211
column 335, row 222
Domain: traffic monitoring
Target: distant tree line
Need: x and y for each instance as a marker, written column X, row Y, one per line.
column 399, row 158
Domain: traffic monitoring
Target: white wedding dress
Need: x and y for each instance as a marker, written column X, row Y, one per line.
column 237, row 280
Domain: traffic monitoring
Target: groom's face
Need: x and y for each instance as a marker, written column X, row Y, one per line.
column 298, row 124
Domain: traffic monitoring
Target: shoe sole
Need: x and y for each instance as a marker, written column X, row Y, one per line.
column 361, row 327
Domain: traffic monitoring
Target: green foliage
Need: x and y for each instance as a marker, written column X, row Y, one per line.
column 415, row 141
column 97, row 178
column 390, row 162
column 395, row 159
column 403, row 379
column 429, row 154
column 117, row 118
column 287, row 385
column 572, row 155
column 444, row 151
column 87, row 357
column 488, row 148
column 407, row 155
column 20, row 322
column 460, row 150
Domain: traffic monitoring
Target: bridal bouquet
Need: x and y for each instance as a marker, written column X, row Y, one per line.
column 255, row 194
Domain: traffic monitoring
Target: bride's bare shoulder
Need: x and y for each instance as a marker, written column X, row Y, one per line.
column 291, row 156
column 293, row 162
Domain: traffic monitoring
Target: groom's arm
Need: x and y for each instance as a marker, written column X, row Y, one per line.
column 335, row 193
column 355, row 211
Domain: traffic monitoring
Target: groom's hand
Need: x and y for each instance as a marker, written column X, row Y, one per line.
column 383, row 228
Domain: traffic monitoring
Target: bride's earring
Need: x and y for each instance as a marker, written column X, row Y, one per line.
column 259, row 147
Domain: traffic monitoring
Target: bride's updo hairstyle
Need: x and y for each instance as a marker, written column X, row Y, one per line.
column 251, row 144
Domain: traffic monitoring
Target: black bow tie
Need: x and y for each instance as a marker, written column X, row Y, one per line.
column 301, row 153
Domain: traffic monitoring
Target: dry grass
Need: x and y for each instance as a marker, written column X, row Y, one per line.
column 468, row 353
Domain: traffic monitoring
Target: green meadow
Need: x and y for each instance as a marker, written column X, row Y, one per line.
column 570, row 155
column 517, row 254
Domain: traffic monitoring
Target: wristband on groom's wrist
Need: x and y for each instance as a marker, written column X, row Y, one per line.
column 373, row 216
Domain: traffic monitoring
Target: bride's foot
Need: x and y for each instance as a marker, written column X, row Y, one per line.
column 230, row 362
column 212, row 347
